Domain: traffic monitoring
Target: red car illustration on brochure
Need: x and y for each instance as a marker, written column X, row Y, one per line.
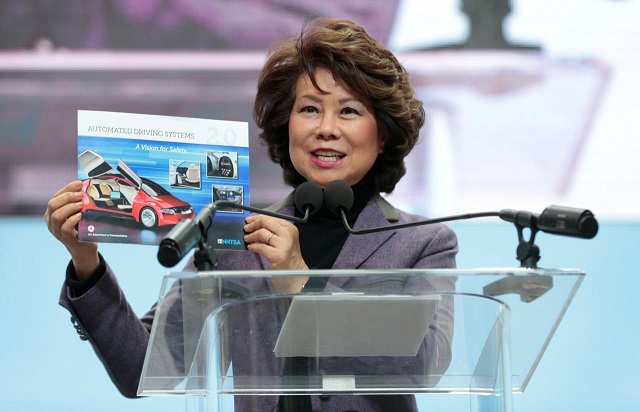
column 127, row 195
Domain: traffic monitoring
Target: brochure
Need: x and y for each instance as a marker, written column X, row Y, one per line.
column 142, row 174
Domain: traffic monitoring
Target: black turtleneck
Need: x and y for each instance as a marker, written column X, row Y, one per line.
column 321, row 240
column 323, row 236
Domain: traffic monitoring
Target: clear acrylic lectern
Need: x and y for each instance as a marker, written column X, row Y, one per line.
column 460, row 339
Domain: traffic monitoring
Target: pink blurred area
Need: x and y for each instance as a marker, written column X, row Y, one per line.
column 196, row 58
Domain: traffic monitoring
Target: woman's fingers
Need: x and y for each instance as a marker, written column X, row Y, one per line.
column 263, row 229
column 62, row 217
column 275, row 239
column 63, row 210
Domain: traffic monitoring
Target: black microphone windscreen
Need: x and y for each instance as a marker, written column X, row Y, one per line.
column 169, row 254
column 179, row 241
column 308, row 195
column 338, row 195
column 568, row 221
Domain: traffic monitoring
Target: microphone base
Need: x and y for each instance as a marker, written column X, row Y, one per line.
column 205, row 258
column 528, row 254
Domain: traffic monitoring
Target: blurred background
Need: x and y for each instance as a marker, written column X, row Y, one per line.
column 528, row 104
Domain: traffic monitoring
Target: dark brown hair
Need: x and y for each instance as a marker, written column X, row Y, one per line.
column 365, row 66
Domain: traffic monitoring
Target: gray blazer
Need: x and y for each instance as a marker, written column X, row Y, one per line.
column 120, row 338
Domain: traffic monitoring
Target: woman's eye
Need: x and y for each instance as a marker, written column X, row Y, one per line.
column 308, row 109
column 349, row 110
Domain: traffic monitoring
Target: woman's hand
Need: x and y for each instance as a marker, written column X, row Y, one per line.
column 277, row 240
column 62, row 217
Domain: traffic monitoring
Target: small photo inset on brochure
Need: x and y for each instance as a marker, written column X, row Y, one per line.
column 184, row 173
column 228, row 194
column 222, row 164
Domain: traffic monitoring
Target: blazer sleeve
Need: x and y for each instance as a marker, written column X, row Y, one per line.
column 118, row 337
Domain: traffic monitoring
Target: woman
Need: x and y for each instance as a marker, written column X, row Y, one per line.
column 333, row 104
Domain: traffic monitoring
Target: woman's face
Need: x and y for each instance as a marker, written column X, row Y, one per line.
column 332, row 135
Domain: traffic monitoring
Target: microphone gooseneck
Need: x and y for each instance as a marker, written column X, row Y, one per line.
column 560, row 220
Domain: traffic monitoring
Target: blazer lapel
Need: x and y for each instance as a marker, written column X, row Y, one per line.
column 358, row 248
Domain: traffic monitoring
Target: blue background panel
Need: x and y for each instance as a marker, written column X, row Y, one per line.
column 591, row 364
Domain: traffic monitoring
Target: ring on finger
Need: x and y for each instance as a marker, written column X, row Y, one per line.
column 270, row 237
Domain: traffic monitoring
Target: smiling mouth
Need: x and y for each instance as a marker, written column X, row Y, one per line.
column 328, row 156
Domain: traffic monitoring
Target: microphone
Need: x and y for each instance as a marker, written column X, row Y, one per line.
column 338, row 196
column 186, row 234
column 308, row 198
column 560, row 220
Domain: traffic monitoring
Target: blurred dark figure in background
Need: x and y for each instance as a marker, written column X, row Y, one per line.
column 485, row 27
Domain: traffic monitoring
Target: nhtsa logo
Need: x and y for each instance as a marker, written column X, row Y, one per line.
column 234, row 242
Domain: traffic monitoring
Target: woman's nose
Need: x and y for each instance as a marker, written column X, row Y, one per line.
column 328, row 128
